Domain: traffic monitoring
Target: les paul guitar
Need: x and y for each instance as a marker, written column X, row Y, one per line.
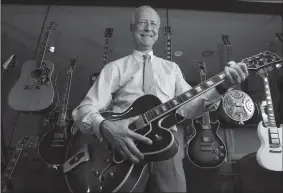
column 6, row 185
column 34, row 92
column 205, row 149
column 107, row 35
column 53, row 145
column 269, row 155
column 93, row 166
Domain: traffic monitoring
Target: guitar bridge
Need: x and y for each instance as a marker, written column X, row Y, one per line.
column 32, row 87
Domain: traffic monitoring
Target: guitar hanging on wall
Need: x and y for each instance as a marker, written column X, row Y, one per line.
column 34, row 92
column 6, row 185
column 168, row 53
column 269, row 155
column 107, row 34
column 53, row 145
column 280, row 84
column 237, row 106
column 93, row 166
column 205, row 149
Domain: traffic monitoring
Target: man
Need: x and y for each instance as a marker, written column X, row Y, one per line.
column 122, row 81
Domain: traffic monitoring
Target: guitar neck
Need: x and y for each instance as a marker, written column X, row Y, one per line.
column 229, row 53
column 182, row 99
column 205, row 116
column 10, row 167
column 65, row 98
column 269, row 104
column 106, row 51
column 43, row 49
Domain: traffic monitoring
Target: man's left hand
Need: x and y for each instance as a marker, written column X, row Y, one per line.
column 236, row 73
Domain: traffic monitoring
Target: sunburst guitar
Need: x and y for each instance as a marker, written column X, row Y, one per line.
column 34, row 91
column 205, row 149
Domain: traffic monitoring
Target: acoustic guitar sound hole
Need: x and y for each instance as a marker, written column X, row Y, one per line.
column 36, row 73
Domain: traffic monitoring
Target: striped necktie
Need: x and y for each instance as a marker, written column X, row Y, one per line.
column 148, row 79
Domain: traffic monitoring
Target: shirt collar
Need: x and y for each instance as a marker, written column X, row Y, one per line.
column 138, row 55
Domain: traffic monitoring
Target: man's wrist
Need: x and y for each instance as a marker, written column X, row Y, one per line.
column 101, row 129
column 222, row 88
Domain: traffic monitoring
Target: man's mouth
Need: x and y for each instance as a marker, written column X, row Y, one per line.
column 146, row 35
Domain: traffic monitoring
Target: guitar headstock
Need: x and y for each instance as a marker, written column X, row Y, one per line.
column 73, row 64
column 263, row 60
column 168, row 31
column 201, row 66
column 51, row 26
column 279, row 36
column 24, row 141
column 226, row 40
column 11, row 62
column 108, row 32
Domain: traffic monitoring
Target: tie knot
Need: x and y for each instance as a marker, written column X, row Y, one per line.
column 146, row 58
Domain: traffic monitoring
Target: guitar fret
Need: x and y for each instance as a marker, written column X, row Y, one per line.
column 198, row 89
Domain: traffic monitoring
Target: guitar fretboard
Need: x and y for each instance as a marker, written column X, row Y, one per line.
column 274, row 139
column 168, row 48
column 105, row 53
column 180, row 100
column 42, row 49
column 65, row 98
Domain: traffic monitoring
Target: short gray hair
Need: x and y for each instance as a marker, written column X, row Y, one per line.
column 133, row 20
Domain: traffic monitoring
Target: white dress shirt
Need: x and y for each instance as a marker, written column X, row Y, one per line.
column 120, row 83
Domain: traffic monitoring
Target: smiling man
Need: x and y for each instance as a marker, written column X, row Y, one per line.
column 123, row 81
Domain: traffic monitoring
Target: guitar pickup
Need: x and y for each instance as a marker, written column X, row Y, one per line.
column 206, row 149
column 206, row 139
column 275, row 151
column 81, row 156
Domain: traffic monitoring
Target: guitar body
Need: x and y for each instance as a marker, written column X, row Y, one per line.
column 26, row 96
column 105, row 170
column 206, row 149
column 53, row 145
column 269, row 158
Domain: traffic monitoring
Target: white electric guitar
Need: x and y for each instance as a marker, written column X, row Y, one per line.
column 269, row 155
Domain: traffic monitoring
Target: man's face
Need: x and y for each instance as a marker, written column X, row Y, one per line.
column 145, row 29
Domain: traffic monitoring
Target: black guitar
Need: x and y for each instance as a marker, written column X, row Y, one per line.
column 205, row 149
column 93, row 166
column 53, row 145
column 107, row 34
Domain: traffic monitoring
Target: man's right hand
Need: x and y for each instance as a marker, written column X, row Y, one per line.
column 120, row 137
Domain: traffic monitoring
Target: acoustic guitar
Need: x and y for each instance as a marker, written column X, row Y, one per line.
column 92, row 165
column 269, row 155
column 205, row 149
column 34, row 92
column 53, row 145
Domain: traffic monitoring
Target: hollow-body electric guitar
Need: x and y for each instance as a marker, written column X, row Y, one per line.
column 205, row 149
column 93, row 166
column 270, row 154
column 53, row 145
column 34, row 91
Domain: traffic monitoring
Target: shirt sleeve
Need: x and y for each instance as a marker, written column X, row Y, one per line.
column 209, row 101
column 87, row 114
